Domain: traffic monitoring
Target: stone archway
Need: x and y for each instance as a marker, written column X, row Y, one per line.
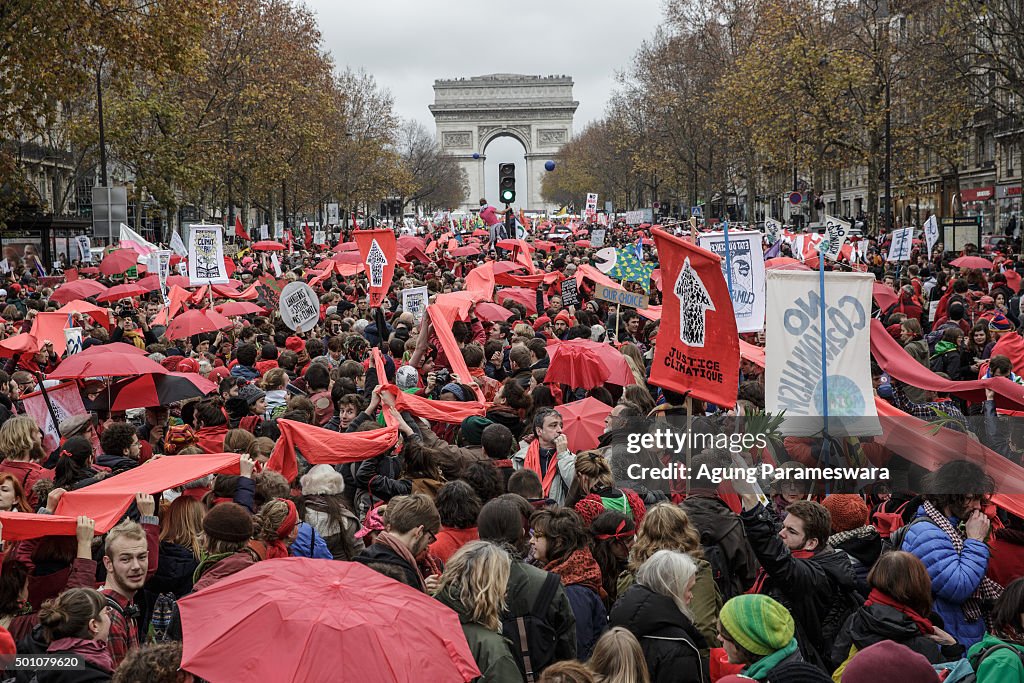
column 471, row 112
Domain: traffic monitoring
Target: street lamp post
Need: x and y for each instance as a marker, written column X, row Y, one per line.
column 888, row 160
column 99, row 116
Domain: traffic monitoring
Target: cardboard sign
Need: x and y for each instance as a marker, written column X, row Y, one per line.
column 619, row 296
column 277, row 265
column 415, row 300
column 836, row 233
column 300, row 307
column 931, row 232
column 899, row 248
column 206, row 256
column 163, row 269
column 597, row 238
column 772, row 230
column 570, row 294
column 746, row 278
column 84, row 248
column 73, row 340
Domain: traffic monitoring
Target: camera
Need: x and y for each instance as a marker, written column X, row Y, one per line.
column 442, row 376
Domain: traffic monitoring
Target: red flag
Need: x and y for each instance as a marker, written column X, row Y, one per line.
column 697, row 350
column 240, row 230
column 323, row 446
column 288, row 240
column 378, row 251
column 309, row 235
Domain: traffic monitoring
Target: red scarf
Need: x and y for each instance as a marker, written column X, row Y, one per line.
column 277, row 547
column 532, row 462
column 762, row 575
column 579, row 568
column 877, row 597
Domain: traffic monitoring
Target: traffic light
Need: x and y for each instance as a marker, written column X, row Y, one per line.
column 507, row 182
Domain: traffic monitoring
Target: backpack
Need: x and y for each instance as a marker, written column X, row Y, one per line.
column 897, row 537
column 533, row 638
column 840, row 607
column 720, row 570
column 163, row 614
column 972, row 676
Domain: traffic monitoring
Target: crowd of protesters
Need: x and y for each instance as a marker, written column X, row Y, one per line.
column 559, row 567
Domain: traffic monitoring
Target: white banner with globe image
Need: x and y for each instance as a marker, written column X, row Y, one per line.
column 793, row 374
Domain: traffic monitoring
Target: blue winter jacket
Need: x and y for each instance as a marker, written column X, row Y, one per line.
column 308, row 543
column 591, row 618
column 954, row 577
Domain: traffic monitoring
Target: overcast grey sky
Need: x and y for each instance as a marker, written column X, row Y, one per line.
column 407, row 44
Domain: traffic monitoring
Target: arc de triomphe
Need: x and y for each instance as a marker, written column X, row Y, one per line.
column 471, row 112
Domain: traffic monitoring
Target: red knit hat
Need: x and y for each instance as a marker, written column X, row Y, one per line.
column 218, row 373
column 541, row 322
column 848, row 510
column 188, row 365
column 565, row 317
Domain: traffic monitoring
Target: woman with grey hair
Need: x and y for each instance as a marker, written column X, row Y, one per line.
column 322, row 506
column 656, row 609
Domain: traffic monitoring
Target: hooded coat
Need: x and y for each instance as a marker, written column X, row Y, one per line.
column 670, row 642
column 874, row 623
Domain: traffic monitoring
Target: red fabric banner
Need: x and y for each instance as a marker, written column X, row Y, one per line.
column 904, row 435
column 897, row 363
column 107, row 500
column 21, row 526
column 697, row 350
column 442, row 324
column 325, row 447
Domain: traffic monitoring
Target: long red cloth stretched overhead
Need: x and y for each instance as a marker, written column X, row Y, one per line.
column 904, row 435
column 325, row 447
column 107, row 500
column 920, row 443
column 897, row 363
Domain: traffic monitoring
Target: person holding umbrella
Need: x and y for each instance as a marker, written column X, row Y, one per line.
column 473, row 585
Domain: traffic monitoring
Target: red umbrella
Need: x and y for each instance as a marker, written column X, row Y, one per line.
column 348, row 257
column 23, row 343
column 129, row 289
column 195, row 321
column 507, row 267
column 785, row 263
column 465, row 251
column 98, row 313
column 152, row 282
column 491, row 312
column 971, row 262
column 582, row 243
column 545, row 245
column 583, row 422
column 108, row 360
column 268, row 245
column 233, row 308
column 352, row 624
column 479, row 232
column 347, row 246
column 118, row 261
column 527, row 297
column 154, row 390
column 884, row 295
column 79, row 289
column 586, row 364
